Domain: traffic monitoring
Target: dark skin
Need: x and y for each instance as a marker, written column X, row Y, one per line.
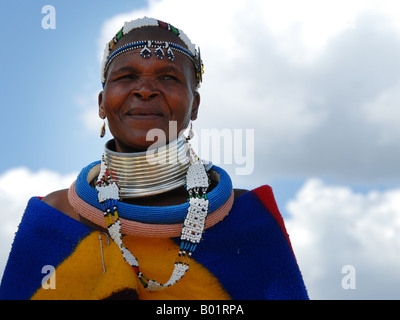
column 140, row 95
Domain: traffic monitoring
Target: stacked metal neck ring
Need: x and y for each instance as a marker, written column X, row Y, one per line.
column 149, row 172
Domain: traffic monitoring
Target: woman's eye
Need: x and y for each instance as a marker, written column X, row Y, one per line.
column 168, row 77
column 127, row 77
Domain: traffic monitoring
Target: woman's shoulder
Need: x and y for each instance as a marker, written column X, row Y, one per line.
column 59, row 200
column 239, row 192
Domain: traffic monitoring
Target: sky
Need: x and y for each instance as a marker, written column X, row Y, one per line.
column 316, row 83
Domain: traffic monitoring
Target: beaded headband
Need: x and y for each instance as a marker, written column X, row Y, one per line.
column 160, row 46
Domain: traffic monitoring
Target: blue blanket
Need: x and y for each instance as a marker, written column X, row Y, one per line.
column 247, row 255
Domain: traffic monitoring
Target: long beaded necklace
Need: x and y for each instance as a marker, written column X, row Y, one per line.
column 197, row 184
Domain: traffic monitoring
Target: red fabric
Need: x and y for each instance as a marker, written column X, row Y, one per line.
column 266, row 196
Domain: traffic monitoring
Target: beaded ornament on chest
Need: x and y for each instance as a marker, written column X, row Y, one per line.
column 197, row 183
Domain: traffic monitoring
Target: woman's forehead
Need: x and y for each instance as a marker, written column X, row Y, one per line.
column 132, row 61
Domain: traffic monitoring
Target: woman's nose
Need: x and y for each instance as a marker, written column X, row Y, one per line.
column 145, row 90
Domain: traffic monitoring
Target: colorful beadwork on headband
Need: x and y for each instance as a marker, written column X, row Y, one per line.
column 146, row 53
column 191, row 52
column 151, row 22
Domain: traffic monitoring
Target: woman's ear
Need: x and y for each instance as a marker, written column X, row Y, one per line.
column 195, row 106
column 102, row 112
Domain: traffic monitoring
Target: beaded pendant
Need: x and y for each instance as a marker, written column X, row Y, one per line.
column 159, row 53
column 145, row 52
column 170, row 54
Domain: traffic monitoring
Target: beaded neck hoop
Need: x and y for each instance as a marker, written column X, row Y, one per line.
column 145, row 45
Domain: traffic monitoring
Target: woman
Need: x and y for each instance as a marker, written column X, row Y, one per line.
column 131, row 224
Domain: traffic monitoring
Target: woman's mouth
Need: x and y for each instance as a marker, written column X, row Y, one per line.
column 145, row 113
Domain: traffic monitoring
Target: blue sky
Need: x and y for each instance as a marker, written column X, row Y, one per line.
column 44, row 71
column 319, row 84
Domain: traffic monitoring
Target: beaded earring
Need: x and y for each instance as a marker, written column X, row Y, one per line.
column 191, row 132
column 103, row 129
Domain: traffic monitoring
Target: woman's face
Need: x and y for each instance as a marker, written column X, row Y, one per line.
column 143, row 94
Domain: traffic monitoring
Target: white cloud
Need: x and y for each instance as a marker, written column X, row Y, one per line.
column 333, row 226
column 308, row 80
column 90, row 111
column 17, row 186
column 384, row 113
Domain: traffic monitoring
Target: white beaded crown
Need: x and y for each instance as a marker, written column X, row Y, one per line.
column 191, row 51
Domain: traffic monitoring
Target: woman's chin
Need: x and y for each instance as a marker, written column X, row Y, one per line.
column 138, row 144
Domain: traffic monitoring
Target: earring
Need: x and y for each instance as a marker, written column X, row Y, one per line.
column 103, row 129
column 191, row 132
